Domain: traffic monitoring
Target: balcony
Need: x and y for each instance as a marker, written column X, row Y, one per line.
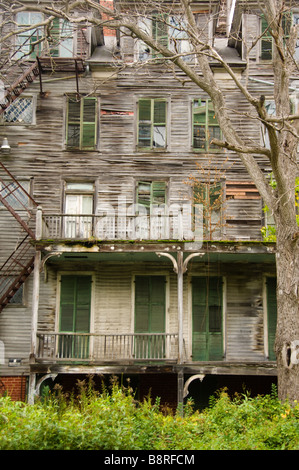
column 178, row 225
column 101, row 348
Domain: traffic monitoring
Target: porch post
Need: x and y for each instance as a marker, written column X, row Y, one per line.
column 35, row 305
column 180, row 273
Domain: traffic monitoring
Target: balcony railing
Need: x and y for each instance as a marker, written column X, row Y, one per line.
column 179, row 226
column 88, row 347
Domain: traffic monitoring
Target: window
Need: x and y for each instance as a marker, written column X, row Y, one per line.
column 150, row 316
column 152, row 123
column 210, row 195
column 61, row 44
column 78, row 210
column 151, row 193
column 16, row 194
column 74, row 315
column 151, row 221
column 205, row 125
column 271, row 314
column 17, row 299
column 81, row 129
column 20, row 111
column 28, row 43
column 207, row 318
column 169, row 32
column 156, row 28
column 267, row 40
column 270, row 107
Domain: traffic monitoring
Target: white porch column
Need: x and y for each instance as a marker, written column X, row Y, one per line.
column 35, row 305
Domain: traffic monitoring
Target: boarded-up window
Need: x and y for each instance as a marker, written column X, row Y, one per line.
column 205, row 125
column 152, row 123
column 207, row 319
column 272, row 315
column 81, row 122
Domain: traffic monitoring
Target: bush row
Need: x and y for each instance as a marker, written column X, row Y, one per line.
column 114, row 420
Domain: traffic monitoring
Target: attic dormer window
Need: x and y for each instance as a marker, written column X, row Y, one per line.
column 61, row 39
column 267, row 39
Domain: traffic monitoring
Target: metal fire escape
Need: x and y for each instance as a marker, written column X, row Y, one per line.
column 13, row 196
column 20, row 263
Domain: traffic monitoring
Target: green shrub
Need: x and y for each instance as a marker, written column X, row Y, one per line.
column 114, row 420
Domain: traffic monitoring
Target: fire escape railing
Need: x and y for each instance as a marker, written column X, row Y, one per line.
column 19, row 265
column 12, row 93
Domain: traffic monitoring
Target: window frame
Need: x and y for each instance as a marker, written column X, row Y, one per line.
column 152, row 184
column 24, row 96
column 207, row 124
column 268, row 39
column 217, row 186
column 79, row 223
column 31, row 54
column 81, row 123
column 152, row 124
column 57, row 34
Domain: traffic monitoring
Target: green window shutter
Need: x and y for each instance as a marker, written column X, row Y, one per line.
column 89, row 122
column 272, row 315
column 158, row 192
column 73, row 122
column 144, row 123
column 207, row 318
column 160, row 31
column 150, row 304
column 75, row 298
column 67, row 303
column 266, row 41
column 144, row 193
column 213, row 129
column 55, row 35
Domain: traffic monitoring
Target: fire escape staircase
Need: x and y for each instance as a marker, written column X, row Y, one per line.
column 20, row 264
column 12, row 93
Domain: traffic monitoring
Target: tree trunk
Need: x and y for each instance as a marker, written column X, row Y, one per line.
column 287, row 333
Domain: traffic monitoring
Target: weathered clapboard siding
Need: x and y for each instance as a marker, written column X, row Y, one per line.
column 15, row 334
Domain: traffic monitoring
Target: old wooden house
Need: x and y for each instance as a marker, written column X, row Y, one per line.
column 110, row 265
